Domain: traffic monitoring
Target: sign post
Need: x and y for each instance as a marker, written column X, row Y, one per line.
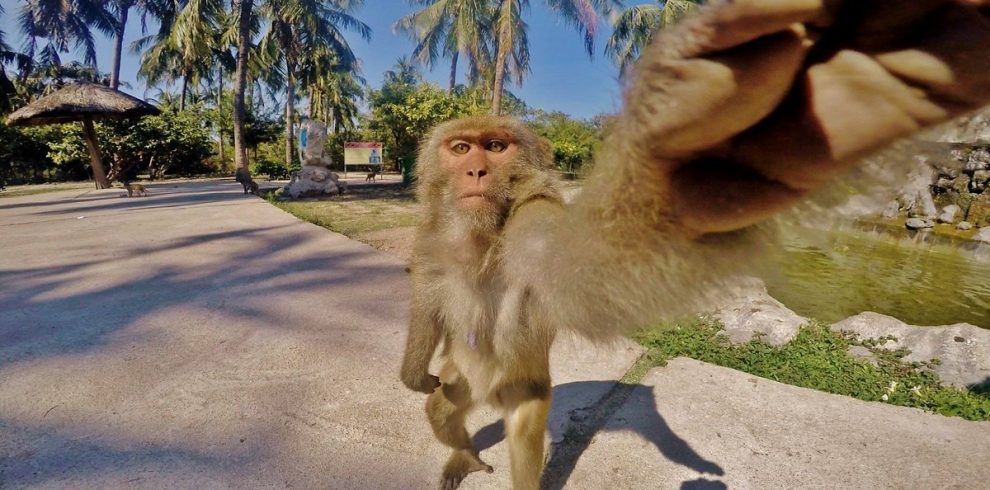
column 363, row 153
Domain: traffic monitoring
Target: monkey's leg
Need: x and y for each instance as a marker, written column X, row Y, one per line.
column 447, row 408
column 525, row 422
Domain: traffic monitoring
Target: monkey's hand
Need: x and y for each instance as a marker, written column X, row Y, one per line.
column 751, row 104
column 422, row 382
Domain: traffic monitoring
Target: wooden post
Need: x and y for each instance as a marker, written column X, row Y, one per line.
column 99, row 174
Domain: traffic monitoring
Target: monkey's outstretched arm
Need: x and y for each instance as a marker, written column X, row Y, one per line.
column 425, row 334
column 732, row 116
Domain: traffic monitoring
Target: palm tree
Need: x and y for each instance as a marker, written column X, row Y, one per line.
column 635, row 26
column 122, row 9
column 333, row 98
column 242, row 13
column 308, row 29
column 65, row 22
column 512, row 46
column 184, row 45
column 9, row 56
column 449, row 28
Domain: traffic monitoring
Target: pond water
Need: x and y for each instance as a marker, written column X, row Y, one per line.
column 921, row 280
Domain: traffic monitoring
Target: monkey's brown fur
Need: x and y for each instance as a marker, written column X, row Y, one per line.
column 138, row 189
column 704, row 150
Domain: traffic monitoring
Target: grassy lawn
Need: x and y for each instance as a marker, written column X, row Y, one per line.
column 817, row 358
column 28, row 190
column 361, row 210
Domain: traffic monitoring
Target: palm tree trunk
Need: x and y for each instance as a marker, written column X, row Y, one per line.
column 499, row 80
column 99, row 173
column 453, row 72
column 504, row 46
column 118, row 43
column 290, row 96
column 185, row 89
column 220, row 134
column 240, row 82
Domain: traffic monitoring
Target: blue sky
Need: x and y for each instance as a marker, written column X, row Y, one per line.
column 563, row 77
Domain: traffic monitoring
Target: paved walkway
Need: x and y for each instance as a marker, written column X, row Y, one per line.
column 200, row 338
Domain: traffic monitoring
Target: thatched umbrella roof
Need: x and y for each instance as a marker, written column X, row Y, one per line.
column 84, row 102
column 80, row 101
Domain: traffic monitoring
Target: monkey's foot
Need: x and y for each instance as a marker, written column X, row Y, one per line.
column 462, row 463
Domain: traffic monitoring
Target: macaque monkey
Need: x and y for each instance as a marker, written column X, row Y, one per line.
column 242, row 176
column 138, row 189
column 732, row 116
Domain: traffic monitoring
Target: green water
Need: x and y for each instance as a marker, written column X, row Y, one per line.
column 921, row 280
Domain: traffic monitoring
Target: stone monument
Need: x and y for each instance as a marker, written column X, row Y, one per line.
column 314, row 178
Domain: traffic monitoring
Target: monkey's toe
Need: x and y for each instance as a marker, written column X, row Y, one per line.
column 461, row 464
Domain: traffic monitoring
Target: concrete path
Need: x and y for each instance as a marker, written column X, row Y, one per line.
column 200, row 338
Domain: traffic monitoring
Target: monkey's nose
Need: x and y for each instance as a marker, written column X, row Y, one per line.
column 478, row 172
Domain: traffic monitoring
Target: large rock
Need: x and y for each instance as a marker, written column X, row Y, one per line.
column 313, row 181
column 748, row 310
column 919, row 223
column 983, row 235
column 962, row 349
column 923, row 205
column 891, row 210
column 978, row 183
column 949, row 214
column 964, row 225
column 979, row 159
column 979, row 210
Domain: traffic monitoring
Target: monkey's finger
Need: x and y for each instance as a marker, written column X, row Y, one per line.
column 853, row 103
column 726, row 24
column 683, row 106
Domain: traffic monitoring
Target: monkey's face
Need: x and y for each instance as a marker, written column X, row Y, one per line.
column 478, row 163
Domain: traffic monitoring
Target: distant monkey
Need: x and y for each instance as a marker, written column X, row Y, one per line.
column 730, row 117
column 138, row 189
column 244, row 178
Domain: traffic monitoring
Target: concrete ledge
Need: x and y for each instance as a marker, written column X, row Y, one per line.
column 695, row 425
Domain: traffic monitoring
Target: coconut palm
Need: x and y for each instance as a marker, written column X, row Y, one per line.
column 333, row 98
column 303, row 29
column 65, row 22
column 242, row 10
column 512, row 45
column 122, row 8
column 9, row 56
column 635, row 26
column 449, row 28
column 184, row 45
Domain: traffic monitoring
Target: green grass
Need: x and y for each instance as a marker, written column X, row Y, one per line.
column 358, row 211
column 30, row 190
column 817, row 358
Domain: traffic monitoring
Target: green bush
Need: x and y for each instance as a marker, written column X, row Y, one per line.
column 275, row 170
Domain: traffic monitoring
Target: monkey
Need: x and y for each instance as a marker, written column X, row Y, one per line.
column 242, row 176
column 138, row 189
column 731, row 117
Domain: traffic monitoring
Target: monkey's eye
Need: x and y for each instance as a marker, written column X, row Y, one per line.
column 460, row 148
column 497, row 146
